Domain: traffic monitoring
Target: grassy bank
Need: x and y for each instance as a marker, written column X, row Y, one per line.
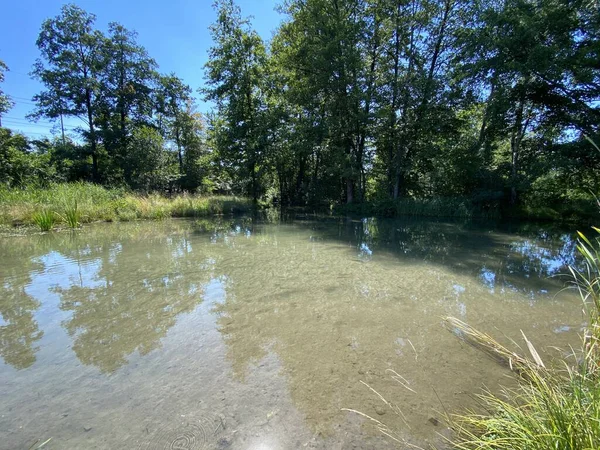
column 76, row 203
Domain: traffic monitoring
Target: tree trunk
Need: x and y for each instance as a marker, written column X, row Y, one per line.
column 515, row 147
column 400, row 160
column 254, row 186
column 349, row 191
column 393, row 120
column 88, row 104
column 179, row 152
column 62, row 129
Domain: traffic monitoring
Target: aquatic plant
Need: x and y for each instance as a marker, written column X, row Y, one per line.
column 44, row 219
column 71, row 215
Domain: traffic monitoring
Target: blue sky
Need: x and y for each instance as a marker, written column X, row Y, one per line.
column 175, row 33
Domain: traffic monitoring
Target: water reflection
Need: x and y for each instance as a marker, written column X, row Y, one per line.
column 500, row 259
column 333, row 302
column 19, row 331
column 134, row 297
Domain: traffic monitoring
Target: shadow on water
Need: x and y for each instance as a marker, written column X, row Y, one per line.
column 354, row 298
column 503, row 256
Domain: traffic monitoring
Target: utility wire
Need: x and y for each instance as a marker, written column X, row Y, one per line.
column 36, row 124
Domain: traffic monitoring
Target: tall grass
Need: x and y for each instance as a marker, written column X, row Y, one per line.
column 77, row 203
column 44, row 219
column 552, row 408
column 72, row 216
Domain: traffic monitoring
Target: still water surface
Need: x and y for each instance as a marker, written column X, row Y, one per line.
column 249, row 334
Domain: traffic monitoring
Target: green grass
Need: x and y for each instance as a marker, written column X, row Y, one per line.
column 72, row 216
column 44, row 219
column 72, row 204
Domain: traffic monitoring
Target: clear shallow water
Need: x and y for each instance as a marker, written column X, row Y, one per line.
column 234, row 333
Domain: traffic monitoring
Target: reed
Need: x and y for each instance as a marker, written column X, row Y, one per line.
column 44, row 219
column 72, row 216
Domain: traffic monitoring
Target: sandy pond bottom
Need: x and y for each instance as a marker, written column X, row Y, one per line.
column 246, row 334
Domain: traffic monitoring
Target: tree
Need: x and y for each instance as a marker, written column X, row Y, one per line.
column 533, row 62
column 330, row 53
column 5, row 102
column 234, row 75
column 172, row 100
column 20, row 164
column 71, row 67
column 152, row 165
column 128, row 82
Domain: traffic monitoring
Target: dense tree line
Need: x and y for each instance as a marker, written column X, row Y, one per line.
column 139, row 127
column 351, row 101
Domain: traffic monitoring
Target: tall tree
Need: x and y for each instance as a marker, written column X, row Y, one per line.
column 173, row 97
column 70, row 68
column 234, row 75
column 183, row 125
column 128, row 81
column 533, row 63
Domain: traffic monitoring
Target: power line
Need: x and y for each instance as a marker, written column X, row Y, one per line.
column 36, row 122
column 20, row 102
column 32, row 132
column 21, row 118
column 21, row 98
column 38, row 125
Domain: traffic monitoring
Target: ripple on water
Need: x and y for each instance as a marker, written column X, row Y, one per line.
column 189, row 433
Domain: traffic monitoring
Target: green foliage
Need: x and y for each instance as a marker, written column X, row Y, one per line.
column 70, row 68
column 380, row 104
column 151, row 166
column 5, row 102
column 19, row 164
column 235, row 74
column 44, row 219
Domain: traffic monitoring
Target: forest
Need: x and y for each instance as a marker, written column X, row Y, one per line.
column 366, row 105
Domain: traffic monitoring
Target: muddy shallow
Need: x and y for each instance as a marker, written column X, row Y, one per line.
column 254, row 334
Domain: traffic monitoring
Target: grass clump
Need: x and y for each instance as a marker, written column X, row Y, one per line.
column 552, row 408
column 72, row 216
column 44, row 219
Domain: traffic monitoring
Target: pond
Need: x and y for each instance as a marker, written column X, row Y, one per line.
column 250, row 333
